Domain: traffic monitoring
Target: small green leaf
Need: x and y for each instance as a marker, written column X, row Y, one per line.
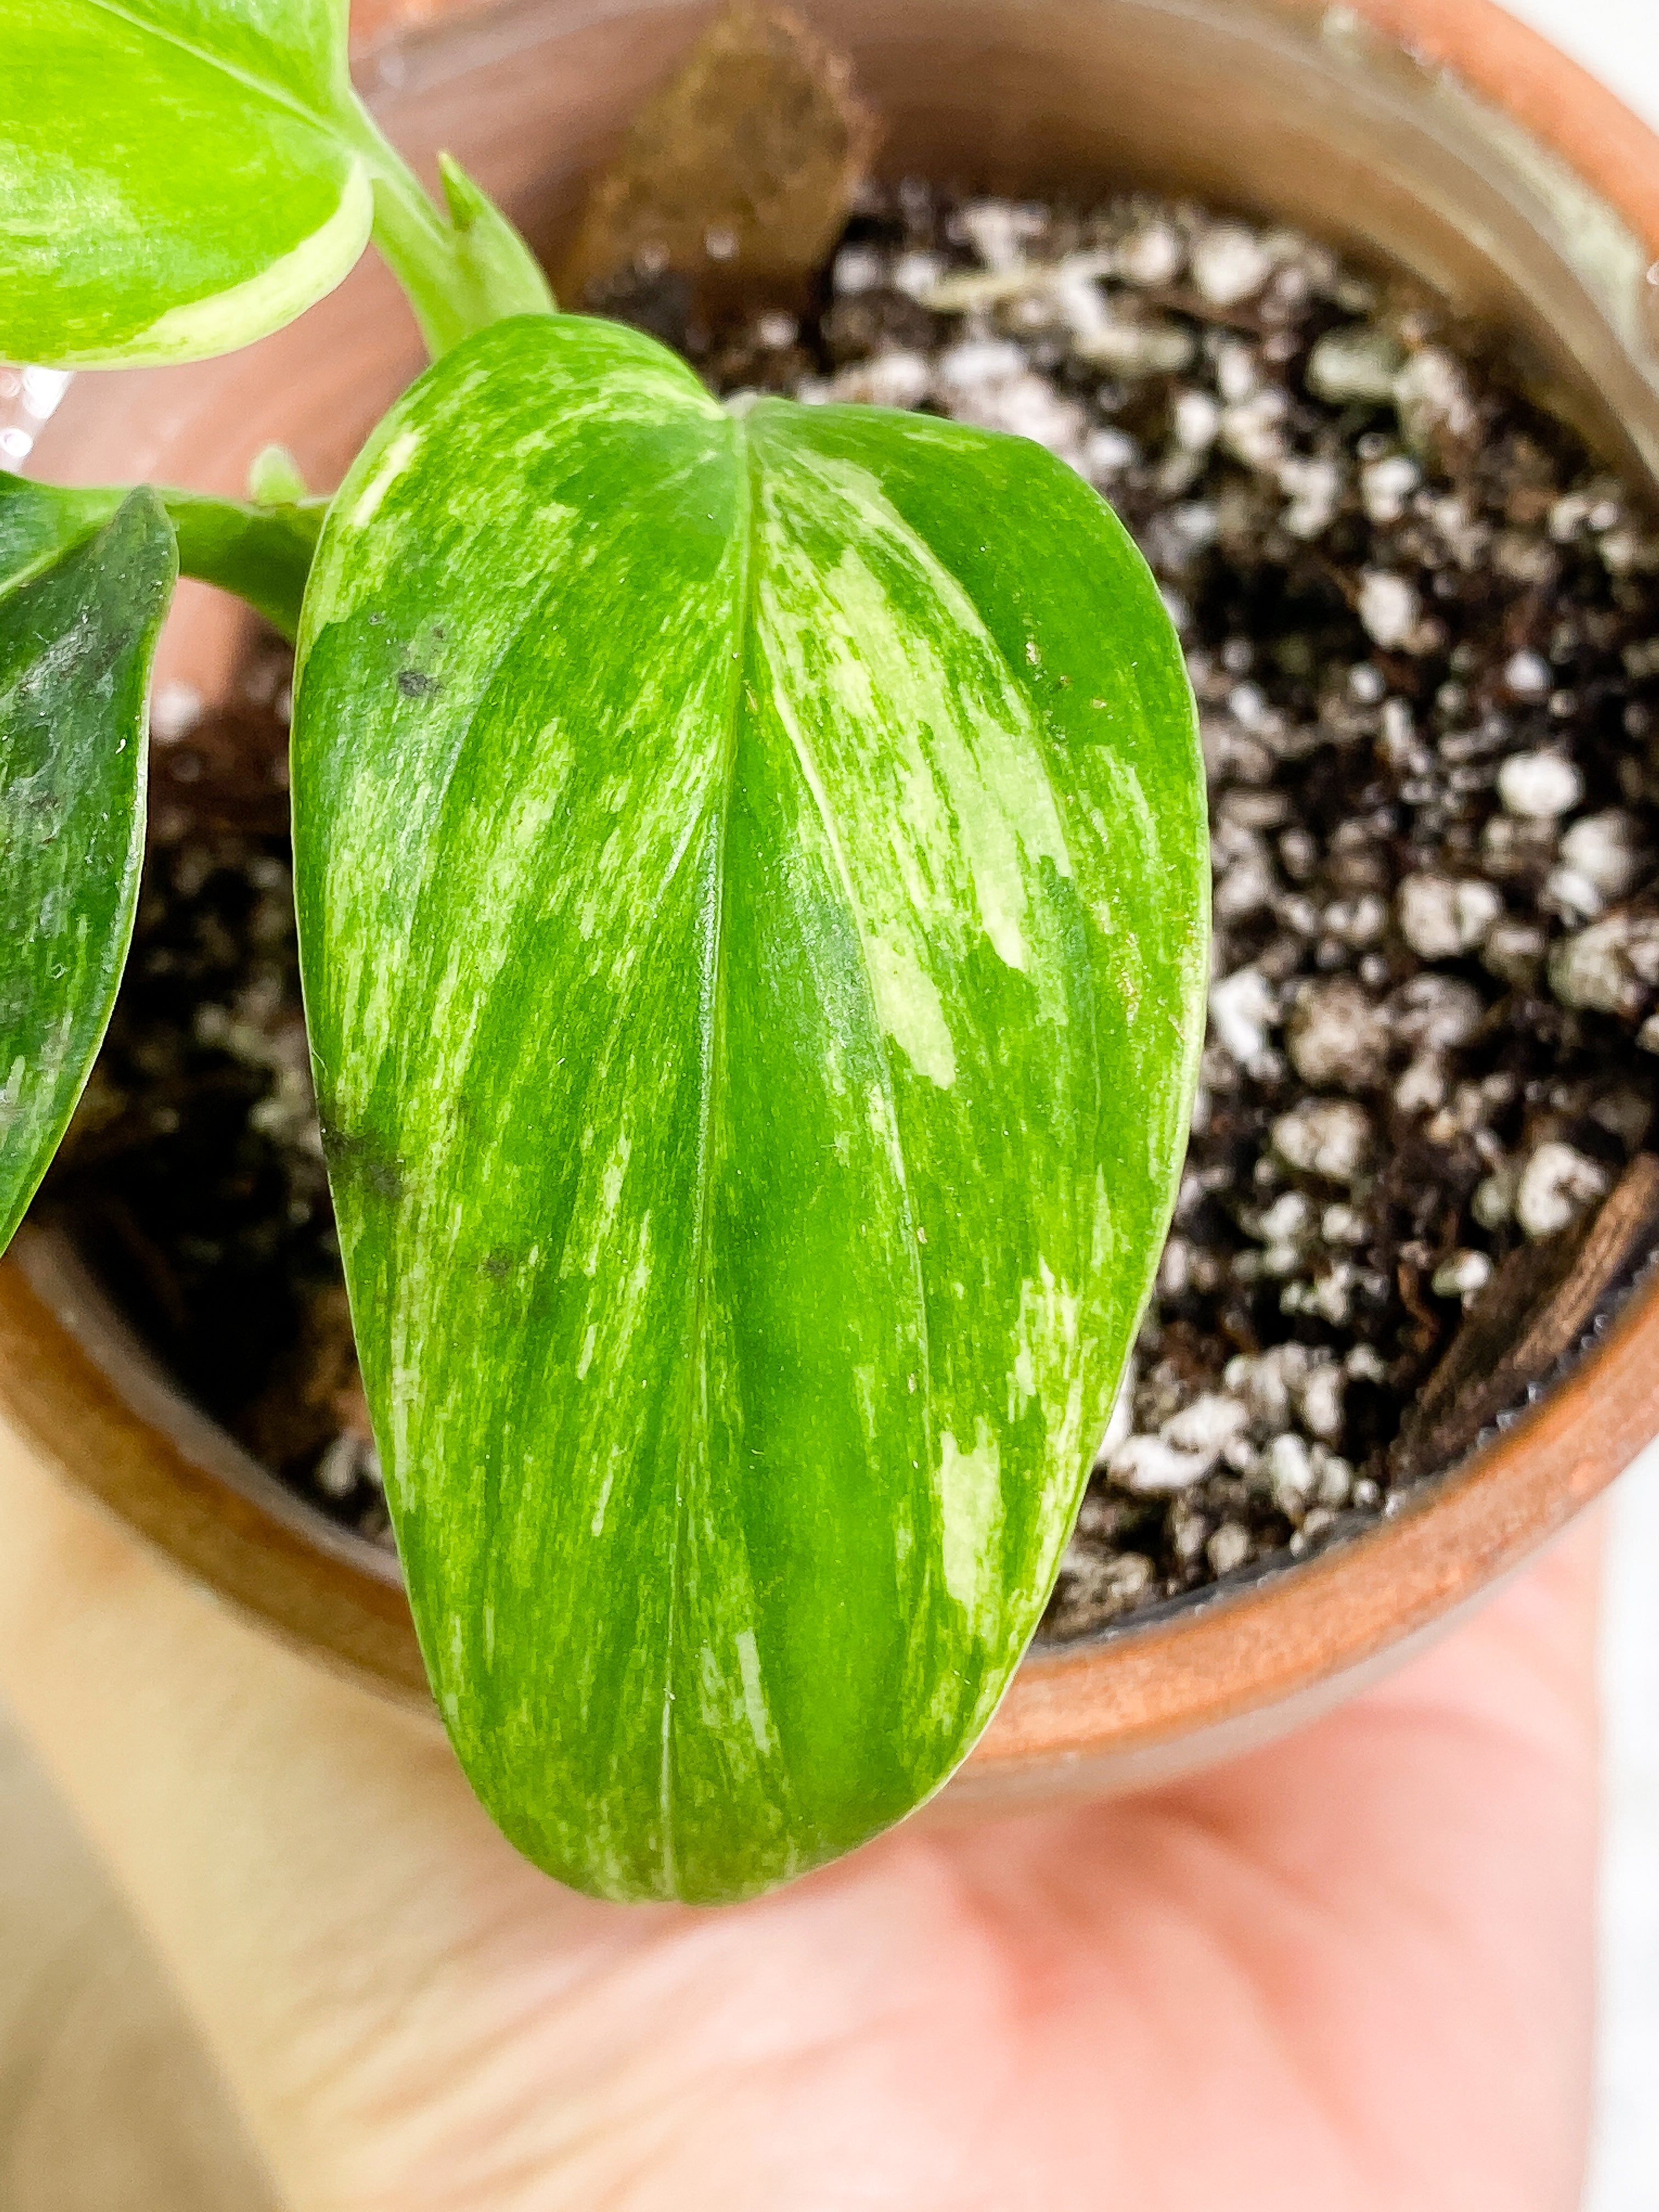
column 78, row 627
column 753, row 898
column 275, row 479
column 461, row 276
column 494, row 277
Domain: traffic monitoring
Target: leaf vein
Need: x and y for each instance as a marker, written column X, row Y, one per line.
column 277, row 94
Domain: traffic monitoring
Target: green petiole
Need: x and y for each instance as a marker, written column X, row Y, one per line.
column 462, row 272
column 261, row 553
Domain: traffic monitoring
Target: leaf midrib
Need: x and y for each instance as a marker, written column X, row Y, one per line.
column 817, row 793
column 714, row 1067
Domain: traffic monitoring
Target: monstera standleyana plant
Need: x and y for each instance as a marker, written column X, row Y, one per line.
column 751, row 873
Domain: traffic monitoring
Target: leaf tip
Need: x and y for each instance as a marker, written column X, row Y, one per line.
column 275, row 479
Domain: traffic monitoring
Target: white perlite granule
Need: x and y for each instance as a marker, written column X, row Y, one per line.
column 1229, row 1548
column 1328, row 1137
column 1360, row 363
column 1528, row 675
column 1539, row 785
column 174, row 711
column 1556, row 1186
column 1462, row 1275
column 1150, row 1466
column 1338, row 1036
column 1389, row 607
column 1242, row 1008
column 1154, row 257
column 1229, row 263
column 1442, row 918
column 1611, row 967
column 1608, row 850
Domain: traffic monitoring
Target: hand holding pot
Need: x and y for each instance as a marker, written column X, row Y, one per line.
column 1351, row 1971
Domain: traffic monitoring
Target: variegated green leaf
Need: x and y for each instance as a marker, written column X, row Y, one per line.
column 78, row 624
column 752, row 882
column 179, row 177
column 173, row 174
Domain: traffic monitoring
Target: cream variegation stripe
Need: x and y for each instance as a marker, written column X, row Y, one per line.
column 219, row 322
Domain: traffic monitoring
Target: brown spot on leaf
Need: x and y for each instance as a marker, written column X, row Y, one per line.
column 355, row 1155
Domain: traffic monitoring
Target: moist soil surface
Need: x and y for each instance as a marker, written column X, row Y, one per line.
column 1422, row 623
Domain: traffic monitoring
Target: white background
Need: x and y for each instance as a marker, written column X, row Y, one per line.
column 1618, row 40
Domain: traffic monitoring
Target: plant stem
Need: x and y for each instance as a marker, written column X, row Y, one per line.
column 262, row 554
column 461, row 270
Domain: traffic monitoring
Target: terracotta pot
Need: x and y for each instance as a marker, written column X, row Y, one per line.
column 1516, row 185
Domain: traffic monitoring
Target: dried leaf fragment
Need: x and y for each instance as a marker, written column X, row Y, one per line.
column 1534, row 1312
column 738, row 175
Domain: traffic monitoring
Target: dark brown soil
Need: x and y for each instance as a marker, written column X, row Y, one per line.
column 1423, row 625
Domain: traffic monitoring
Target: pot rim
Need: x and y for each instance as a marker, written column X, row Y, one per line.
column 1459, row 1534
column 84, row 1400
